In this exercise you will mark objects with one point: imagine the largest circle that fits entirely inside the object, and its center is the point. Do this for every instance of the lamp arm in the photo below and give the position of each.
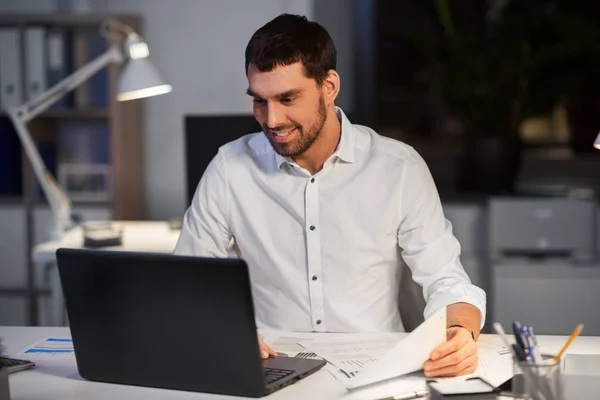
(41, 103)
(57, 198)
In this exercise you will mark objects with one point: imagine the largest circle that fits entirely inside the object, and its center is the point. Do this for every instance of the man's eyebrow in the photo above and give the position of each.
(289, 93)
(251, 93)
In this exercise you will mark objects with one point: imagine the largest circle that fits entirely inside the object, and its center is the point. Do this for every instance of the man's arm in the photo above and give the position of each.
(464, 315)
(205, 230)
(432, 253)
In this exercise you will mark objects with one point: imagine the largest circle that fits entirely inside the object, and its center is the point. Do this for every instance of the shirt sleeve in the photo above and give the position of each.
(428, 245)
(205, 231)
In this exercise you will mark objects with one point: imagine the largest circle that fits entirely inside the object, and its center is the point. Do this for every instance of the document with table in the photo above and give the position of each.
(377, 365)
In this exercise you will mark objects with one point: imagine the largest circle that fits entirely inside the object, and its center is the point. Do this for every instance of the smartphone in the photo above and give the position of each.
(14, 364)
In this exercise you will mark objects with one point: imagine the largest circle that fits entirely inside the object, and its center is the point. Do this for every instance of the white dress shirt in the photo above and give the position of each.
(324, 251)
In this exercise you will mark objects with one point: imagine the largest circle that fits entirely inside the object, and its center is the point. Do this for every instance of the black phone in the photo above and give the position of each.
(14, 364)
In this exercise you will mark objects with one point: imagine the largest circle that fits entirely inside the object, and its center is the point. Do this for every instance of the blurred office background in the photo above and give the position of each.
(502, 99)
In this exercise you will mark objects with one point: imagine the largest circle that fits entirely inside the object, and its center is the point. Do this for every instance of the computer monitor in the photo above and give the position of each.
(204, 134)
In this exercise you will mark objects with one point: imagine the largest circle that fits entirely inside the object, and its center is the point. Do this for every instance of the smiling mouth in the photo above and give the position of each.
(281, 137)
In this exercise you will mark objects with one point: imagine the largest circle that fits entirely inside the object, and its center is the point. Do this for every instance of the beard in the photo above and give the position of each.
(306, 136)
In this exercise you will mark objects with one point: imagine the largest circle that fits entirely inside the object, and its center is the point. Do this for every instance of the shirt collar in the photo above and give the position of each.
(345, 149)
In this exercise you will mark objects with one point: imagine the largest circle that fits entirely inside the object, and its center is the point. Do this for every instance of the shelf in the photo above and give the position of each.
(20, 200)
(72, 113)
(61, 19)
(90, 113)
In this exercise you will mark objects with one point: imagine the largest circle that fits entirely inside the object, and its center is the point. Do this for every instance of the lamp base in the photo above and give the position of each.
(102, 234)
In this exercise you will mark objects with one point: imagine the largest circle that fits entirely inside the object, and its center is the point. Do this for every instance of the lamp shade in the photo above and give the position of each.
(140, 79)
(597, 142)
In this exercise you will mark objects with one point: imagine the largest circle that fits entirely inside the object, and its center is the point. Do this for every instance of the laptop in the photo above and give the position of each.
(169, 321)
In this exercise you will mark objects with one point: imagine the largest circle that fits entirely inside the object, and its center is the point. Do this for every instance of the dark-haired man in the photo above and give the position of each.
(324, 212)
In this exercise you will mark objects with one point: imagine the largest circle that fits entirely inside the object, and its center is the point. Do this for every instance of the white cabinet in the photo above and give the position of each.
(14, 256)
(551, 296)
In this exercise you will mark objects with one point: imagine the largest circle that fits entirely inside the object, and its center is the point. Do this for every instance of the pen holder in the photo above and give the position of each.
(538, 381)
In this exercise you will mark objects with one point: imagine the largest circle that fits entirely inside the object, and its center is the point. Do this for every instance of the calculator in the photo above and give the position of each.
(15, 365)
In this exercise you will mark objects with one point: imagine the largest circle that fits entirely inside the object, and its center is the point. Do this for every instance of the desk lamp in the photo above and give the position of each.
(597, 142)
(138, 79)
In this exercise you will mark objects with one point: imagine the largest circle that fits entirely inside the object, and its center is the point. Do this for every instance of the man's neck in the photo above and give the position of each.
(314, 158)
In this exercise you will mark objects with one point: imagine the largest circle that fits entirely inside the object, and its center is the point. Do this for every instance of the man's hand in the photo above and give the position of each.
(457, 356)
(265, 351)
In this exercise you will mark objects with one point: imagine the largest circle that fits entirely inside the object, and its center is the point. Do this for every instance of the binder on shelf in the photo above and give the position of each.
(98, 83)
(35, 72)
(89, 44)
(11, 93)
(59, 66)
(84, 169)
(84, 142)
(81, 55)
(10, 160)
(47, 150)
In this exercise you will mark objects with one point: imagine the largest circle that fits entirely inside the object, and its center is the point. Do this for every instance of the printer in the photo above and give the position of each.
(540, 225)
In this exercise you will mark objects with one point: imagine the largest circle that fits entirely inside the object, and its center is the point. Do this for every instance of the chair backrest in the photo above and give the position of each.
(411, 302)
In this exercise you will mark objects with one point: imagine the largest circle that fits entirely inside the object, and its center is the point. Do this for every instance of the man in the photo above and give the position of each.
(324, 212)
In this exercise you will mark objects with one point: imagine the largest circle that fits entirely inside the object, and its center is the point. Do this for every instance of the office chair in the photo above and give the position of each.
(411, 302)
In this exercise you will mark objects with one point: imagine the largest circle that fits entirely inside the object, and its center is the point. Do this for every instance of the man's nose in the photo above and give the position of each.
(274, 116)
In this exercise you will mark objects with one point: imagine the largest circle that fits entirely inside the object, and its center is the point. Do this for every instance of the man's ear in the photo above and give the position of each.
(331, 87)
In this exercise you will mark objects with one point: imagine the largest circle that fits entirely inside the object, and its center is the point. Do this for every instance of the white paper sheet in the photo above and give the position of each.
(52, 348)
(370, 360)
(351, 354)
(409, 354)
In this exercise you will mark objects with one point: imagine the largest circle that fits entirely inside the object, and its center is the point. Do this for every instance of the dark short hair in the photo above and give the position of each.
(289, 39)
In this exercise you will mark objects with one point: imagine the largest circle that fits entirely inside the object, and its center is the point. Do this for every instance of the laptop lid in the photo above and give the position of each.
(163, 320)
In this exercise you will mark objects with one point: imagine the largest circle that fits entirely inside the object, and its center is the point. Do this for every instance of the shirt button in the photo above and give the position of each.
(314, 277)
(312, 228)
(318, 322)
(312, 180)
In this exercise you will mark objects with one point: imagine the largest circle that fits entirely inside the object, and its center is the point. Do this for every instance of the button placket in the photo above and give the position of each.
(313, 243)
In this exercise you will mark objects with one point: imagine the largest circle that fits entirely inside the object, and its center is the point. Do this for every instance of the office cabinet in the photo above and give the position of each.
(552, 296)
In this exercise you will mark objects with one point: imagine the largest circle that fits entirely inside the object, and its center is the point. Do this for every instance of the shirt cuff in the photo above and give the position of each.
(462, 293)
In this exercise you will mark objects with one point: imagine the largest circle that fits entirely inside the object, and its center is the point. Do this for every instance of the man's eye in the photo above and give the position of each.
(287, 101)
(259, 101)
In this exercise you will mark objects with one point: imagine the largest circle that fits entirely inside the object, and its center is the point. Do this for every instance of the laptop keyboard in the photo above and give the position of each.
(273, 374)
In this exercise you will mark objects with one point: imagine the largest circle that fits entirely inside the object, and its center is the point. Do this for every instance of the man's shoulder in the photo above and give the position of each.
(367, 139)
(252, 144)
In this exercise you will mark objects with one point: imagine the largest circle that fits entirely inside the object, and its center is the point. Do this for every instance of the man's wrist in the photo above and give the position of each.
(462, 326)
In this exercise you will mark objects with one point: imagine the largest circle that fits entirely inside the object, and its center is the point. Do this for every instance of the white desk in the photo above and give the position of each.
(51, 382)
(146, 236)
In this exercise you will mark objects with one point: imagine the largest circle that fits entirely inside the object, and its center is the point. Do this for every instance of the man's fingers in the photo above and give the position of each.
(269, 350)
(449, 347)
(265, 350)
(452, 358)
(466, 366)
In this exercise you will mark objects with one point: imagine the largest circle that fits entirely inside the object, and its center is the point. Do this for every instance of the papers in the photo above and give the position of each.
(495, 368)
(409, 354)
(353, 353)
(48, 349)
(368, 361)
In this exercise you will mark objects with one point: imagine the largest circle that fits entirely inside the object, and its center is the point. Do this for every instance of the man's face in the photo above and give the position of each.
(289, 106)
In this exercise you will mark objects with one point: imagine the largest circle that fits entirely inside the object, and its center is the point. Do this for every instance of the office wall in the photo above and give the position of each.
(199, 46)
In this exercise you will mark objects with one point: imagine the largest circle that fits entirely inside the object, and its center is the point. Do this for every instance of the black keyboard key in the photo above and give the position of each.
(271, 375)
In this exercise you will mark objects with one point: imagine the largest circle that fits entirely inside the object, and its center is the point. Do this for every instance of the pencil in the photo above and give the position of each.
(562, 351)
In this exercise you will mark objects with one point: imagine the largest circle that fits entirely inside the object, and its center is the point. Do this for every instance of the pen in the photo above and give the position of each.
(408, 396)
(528, 343)
(500, 331)
(516, 327)
(536, 346)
